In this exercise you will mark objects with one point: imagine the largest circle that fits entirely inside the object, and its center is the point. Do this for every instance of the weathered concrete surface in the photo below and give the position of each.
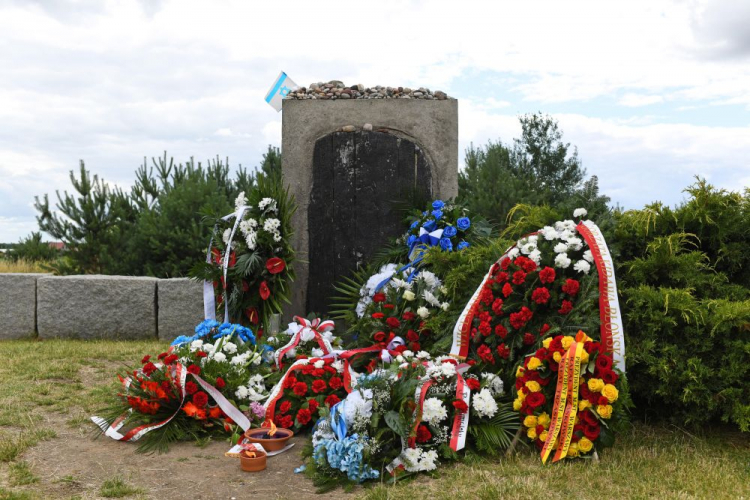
(180, 307)
(18, 305)
(430, 124)
(96, 306)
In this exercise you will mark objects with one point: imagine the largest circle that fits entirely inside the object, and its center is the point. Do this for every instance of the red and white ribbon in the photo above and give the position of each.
(316, 327)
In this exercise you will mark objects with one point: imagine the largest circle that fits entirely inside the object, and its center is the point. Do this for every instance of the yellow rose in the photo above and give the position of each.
(585, 445)
(530, 421)
(534, 363)
(546, 342)
(557, 357)
(543, 420)
(566, 341)
(519, 371)
(409, 295)
(572, 450)
(604, 411)
(583, 404)
(521, 396)
(533, 386)
(543, 437)
(584, 357)
(610, 392)
(596, 385)
(517, 404)
(531, 433)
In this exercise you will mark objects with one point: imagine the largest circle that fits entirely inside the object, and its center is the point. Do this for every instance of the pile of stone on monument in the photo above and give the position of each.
(336, 89)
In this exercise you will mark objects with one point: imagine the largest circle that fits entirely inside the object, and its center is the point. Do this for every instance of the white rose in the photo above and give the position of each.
(409, 295)
(423, 312)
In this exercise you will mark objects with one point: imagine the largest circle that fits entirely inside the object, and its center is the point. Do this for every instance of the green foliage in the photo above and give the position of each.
(33, 249)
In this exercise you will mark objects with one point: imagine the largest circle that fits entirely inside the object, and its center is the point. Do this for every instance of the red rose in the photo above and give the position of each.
(408, 316)
(191, 387)
(300, 389)
(200, 399)
(503, 351)
(319, 386)
(412, 336)
(541, 353)
(378, 315)
(332, 400)
(567, 306)
(285, 406)
(507, 289)
(194, 369)
(461, 406)
(220, 383)
(393, 322)
(592, 346)
(588, 418)
(388, 306)
(609, 377)
(415, 346)
(252, 315)
(304, 416)
(604, 362)
(603, 400)
(501, 331)
(312, 405)
(378, 297)
(379, 336)
(145, 359)
(473, 384)
(201, 354)
(547, 275)
(544, 329)
(540, 295)
(265, 292)
(423, 434)
(275, 265)
(528, 339)
(591, 431)
(335, 383)
(149, 368)
(535, 399)
(571, 287)
(519, 277)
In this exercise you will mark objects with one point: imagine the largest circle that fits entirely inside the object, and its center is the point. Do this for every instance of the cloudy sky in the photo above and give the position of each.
(651, 92)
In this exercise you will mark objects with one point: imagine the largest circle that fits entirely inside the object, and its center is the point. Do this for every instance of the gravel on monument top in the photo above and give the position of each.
(335, 89)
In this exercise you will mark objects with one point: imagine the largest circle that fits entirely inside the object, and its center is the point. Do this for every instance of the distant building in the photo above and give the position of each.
(57, 245)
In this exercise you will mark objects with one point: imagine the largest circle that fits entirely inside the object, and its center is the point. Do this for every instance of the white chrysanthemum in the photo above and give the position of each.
(271, 225)
(562, 260)
(358, 404)
(423, 355)
(484, 404)
(580, 212)
(513, 253)
(256, 359)
(561, 248)
(536, 256)
(219, 356)
(429, 279)
(276, 237)
(569, 225)
(338, 365)
(267, 204)
(307, 335)
(226, 235)
(399, 284)
(195, 345)
(588, 256)
(445, 306)
(527, 248)
(317, 352)
(423, 312)
(229, 348)
(431, 299)
(319, 364)
(241, 392)
(251, 239)
(410, 457)
(549, 233)
(240, 201)
(534, 238)
(407, 354)
(428, 460)
(582, 267)
(209, 348)
(248, 226)
(493, 383)
(575, 243)
(433, 411)
(240, 359)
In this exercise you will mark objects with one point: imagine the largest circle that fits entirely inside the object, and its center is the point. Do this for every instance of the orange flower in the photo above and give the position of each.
(190, 409)
(215, 412)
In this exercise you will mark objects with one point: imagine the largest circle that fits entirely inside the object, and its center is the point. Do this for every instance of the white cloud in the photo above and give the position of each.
(635, 100)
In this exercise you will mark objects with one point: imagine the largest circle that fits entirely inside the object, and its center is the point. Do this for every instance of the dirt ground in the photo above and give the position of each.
(75, 465)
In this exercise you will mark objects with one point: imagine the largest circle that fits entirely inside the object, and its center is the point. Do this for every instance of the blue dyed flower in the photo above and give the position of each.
(463, 244)
(438, 204)
(345, 455)
(411, 240)
(463, 223)
(414, 224)
(430, 225)
(437, 214)
(182, 339)
(449, 231)
(445, 244)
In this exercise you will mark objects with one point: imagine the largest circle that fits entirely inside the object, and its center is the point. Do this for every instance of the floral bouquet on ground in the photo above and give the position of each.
(199, 387)
(250, 263)
(304, 338)
(566, 396)
(445, 225)
(404, 419)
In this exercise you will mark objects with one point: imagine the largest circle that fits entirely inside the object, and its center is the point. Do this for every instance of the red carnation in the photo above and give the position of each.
(423, 434)
(519, 277)
(567, 306)
(408, 316)
(415, 346)
(378, 315)
(461, 406)
(503, 351)
(505, 263)
(191, 387)
(201, 354)
(535, 399)
(544, 329)
(319, 386)
(547, 275)
(286, 422)
(528, 339)
(170, 359)
(501, 277)
(162, 355)
(300, 389)
(379, 336)
(393, 322)
(529, 265)
(149, 368)
(265, 292)
(497, 307)
(412, 336)
(312, 405)
(473, 384)
(275, 265)
(304, 416)
(540, 295)
(485, 354)
(285, 406)
(485, 328)
(220, 383)
(501, 331)
(335, 383)
(571, 287)
(388, 306)
(507, 289)
(194, 369)
(378, 297)
(332, 400)
(145, 359)
(200, 399)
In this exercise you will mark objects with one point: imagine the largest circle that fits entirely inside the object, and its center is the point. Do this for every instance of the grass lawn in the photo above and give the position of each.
(48, 389)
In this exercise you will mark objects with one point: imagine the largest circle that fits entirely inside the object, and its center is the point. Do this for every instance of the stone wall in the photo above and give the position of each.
(93, 306)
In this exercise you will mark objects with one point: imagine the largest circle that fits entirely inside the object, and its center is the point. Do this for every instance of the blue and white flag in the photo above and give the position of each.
(281, 87)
